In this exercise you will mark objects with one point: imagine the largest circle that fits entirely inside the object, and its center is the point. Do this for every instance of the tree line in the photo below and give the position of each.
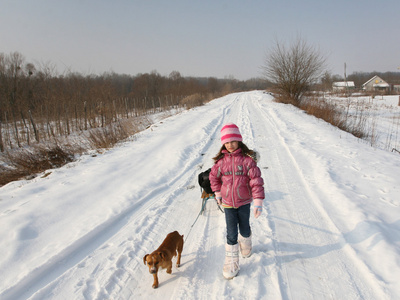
(38, 104)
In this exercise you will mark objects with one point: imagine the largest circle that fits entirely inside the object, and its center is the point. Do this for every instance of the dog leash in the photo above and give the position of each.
(191, 227)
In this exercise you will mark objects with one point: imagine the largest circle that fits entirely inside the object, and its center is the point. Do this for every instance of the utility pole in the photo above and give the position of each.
(345, 80)
(398, 104)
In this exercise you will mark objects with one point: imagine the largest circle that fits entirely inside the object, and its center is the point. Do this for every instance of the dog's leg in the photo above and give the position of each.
(169, 267)
(155, 283)
(178, 261)
(179, 249)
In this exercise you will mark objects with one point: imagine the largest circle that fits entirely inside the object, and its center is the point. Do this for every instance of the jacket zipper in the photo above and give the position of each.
(233, 181)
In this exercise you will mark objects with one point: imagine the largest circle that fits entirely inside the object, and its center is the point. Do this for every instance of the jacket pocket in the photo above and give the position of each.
(243, 191)
(225, 191)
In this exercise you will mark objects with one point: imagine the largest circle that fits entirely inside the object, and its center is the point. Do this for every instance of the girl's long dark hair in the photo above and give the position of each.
(245, 151)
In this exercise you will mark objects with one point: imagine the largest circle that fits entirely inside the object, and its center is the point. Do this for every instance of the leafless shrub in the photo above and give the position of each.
(107, 137)
(356, 125)
(193, 101)
(293, 70)
(322, 110)
(373, 133)
(28, 162)
(8, 174)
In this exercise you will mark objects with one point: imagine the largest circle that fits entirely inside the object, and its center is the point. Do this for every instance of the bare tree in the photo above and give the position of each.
(37, 104)
(293, 70)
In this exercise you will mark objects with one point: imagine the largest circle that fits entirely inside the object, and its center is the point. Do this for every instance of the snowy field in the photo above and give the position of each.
(379, 117)
(330, 228)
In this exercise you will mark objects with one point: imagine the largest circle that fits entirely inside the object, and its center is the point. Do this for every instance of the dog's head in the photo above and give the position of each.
(154, 261)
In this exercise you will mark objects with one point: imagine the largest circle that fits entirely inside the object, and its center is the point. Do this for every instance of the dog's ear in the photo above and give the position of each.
(162, 255)
(144, 258)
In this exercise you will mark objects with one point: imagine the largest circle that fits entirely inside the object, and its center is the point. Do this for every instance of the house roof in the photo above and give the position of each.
(343, 84)
(378, 84)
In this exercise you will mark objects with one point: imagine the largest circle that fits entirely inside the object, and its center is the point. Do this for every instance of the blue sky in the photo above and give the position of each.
(198, 38)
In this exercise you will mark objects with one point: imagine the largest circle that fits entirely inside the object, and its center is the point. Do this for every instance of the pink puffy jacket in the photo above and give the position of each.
(237, 178)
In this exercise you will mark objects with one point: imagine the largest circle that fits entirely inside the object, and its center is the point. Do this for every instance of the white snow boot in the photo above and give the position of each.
(231, 265)
(245, 246)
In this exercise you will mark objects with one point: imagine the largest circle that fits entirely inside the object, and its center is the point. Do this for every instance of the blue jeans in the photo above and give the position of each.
(237, 220)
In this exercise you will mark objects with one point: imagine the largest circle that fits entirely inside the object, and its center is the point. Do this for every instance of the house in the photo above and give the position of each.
(376, 84)
(343, 85)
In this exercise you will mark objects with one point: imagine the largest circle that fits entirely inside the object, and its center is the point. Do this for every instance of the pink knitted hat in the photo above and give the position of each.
(229, 133)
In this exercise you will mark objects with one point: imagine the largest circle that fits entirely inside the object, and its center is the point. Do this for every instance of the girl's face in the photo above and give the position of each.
(231, 146)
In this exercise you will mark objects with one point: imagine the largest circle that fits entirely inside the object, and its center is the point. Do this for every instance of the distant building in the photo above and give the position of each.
(396, 88)
(343, 86)
(376, 84)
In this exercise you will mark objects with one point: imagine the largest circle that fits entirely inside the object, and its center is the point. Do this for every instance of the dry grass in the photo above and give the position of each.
(356, 125)
(193, 101)
(30, 161)
(26, 163)
(107, 137)
(198, 99)
(323, 110)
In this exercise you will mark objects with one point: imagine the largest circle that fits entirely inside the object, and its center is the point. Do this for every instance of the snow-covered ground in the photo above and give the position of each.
(378, 116)
(330, 228)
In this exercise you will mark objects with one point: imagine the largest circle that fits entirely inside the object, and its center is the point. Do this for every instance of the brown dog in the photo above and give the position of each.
(162, 257)
(205, 195)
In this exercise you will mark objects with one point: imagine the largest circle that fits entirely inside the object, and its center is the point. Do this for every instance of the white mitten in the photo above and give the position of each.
(218, 197)
(257, 207)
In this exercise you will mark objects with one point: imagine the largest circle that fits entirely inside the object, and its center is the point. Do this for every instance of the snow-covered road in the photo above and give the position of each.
(330, 228)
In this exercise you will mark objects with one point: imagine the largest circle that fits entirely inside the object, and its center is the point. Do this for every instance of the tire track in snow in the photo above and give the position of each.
(314, 242)
(207, 256)
(298, 252)
(193, 160)
(37, 281)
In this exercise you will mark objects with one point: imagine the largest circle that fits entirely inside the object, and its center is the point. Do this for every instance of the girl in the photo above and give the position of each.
(236, 181)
